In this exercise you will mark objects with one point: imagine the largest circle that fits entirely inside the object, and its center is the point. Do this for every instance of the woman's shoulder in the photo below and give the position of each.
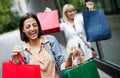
(62, 26)
(62, 23)
(79, 15)
(50, 37)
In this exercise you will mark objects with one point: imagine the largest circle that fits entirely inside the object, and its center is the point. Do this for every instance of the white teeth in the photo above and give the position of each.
(32, 33)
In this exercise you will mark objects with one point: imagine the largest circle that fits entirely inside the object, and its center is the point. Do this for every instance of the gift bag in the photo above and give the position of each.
(96, 25)
(85, 70)
(49, 21)
(12, 70)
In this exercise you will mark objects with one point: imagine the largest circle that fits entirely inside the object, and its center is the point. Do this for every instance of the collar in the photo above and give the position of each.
(42, 39)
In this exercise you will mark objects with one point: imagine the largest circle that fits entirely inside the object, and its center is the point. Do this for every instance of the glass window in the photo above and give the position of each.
(110, 6)
(111, 48)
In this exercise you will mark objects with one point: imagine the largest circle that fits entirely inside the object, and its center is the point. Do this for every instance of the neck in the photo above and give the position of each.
(71, 21)
(34, 42)
(35, 46)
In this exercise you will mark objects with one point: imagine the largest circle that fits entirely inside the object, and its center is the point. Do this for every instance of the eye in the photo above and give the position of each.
(27, 26)
(35, 24)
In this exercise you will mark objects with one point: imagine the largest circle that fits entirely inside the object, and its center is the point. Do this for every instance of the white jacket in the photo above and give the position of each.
(71, 34)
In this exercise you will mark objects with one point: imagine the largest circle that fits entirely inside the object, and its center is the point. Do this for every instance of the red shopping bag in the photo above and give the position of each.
(49, 21)
(12, 70)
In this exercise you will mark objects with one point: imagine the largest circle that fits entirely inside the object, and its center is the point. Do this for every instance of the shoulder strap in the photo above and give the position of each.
(86, 43)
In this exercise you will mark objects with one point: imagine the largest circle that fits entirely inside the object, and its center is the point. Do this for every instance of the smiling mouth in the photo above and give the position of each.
(33, 34)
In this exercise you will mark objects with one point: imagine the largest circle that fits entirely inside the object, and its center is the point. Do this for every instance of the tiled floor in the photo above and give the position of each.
(103, 75)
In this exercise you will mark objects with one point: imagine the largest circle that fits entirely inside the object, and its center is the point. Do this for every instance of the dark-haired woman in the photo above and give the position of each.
(44, 50)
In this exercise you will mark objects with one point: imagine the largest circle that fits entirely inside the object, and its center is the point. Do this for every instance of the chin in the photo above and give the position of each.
(33, 38)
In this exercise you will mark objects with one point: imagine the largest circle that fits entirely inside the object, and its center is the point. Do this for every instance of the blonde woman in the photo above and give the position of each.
(73, 28)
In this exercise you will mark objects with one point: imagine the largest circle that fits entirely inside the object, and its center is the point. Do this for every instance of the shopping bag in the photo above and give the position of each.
(12, 70)
(49, 21)
(85, 70)
(96, 26)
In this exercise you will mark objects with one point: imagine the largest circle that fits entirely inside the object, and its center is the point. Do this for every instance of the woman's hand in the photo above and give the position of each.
(75, 57)
(90, 5)
(74, 52)
(15, 56)
(47, 9)
(68, 62)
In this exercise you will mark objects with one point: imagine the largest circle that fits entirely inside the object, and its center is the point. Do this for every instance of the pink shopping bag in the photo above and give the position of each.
(49, 21)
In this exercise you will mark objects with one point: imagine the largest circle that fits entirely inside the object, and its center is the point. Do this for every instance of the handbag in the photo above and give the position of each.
(96, 26)
(12, 70)
(49, 21)
(82, 71)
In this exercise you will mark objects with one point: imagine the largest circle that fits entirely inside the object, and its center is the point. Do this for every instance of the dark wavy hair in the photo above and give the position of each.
(21, 25)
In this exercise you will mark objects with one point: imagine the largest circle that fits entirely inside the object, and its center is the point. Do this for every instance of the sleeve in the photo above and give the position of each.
(62, 26)
(25, 54)
(59, 57)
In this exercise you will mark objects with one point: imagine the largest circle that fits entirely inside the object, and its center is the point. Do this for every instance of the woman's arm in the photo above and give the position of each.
(62, 26)
(57, 52)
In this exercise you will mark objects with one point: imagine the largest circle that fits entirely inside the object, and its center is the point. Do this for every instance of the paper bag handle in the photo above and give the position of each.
(20, 58)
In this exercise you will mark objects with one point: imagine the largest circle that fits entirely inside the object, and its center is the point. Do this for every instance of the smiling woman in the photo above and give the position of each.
(31, 28)
(27, 22)
(73, 28)
(39, 49)
(44, 50)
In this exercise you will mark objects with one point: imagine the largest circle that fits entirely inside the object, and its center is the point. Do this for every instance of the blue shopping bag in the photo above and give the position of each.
(96, 26)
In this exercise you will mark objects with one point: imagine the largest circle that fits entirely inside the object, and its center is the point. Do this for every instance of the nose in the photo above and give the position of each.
(31, 27)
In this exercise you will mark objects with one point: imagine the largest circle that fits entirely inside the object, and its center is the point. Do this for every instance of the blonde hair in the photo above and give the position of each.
(66, 7)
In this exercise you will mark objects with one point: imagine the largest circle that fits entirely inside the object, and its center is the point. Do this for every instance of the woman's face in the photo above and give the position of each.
(70, 14)
(30, 28)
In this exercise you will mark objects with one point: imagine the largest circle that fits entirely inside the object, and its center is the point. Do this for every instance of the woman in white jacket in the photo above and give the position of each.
(73, 27)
